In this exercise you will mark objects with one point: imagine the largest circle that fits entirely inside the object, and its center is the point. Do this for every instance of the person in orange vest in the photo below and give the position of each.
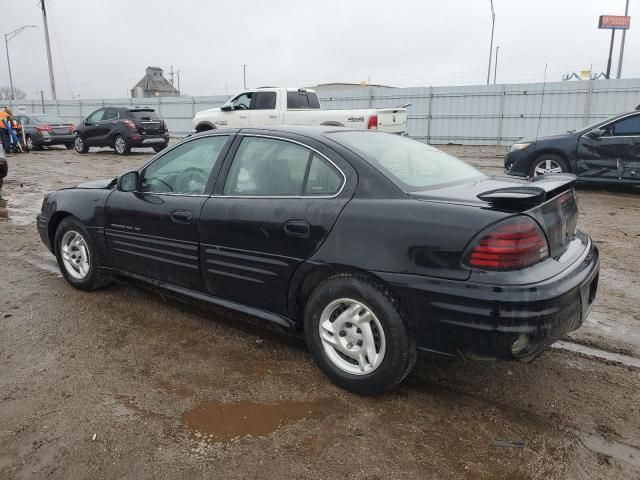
(4, 133)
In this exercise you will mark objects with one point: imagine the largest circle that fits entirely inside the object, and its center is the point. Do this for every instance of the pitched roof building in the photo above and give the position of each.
(153, 84)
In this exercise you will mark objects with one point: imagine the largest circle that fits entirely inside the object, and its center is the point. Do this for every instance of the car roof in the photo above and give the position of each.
(314, 132)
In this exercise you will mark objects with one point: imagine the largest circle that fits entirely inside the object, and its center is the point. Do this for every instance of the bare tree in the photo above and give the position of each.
(5, 93)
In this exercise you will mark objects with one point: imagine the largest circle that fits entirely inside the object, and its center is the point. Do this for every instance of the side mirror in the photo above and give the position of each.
(596, 133)
(128, 182)
(227, 107)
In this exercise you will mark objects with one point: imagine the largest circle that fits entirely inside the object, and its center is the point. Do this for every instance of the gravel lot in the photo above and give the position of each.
(125, 383)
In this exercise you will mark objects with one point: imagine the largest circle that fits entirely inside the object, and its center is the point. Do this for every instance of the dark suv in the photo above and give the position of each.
(122, 128)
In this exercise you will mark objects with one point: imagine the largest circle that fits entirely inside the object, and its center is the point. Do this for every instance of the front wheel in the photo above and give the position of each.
(80, 145)
(77, 258)
(548, 164)
(358, 335)
(121, 146)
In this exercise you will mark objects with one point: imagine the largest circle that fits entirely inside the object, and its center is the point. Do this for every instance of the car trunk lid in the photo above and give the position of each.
(392, 119)
(550, 200)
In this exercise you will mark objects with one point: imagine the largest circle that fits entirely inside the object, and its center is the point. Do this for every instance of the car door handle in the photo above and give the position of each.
(297, 228)
(181, 216)
(243, 116)
(273, 116)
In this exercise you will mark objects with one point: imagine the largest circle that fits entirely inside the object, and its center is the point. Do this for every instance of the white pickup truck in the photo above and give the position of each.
(295, 106)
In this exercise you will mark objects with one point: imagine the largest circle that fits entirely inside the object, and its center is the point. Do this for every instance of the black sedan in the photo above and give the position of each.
(607, 152)
(44, 130)
(374, 246)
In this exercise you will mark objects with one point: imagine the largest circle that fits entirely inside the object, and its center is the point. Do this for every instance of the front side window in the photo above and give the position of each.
(629, 126)
(185, 169)
(272, 167)
(95, 117)
(411, 165)
(242, 102)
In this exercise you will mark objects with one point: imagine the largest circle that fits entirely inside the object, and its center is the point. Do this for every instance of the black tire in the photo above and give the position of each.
(28, 141)
(400, 352)
(121, 145)
(159, 148)
(68, 146)
(80, 144)
(548, 157)
(96, 277)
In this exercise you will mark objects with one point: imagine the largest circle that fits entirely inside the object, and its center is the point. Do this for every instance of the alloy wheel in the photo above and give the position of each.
(352, 336)
(75, 255)
(29, 142)
(547, 166)
(120, 145)
(79, 144)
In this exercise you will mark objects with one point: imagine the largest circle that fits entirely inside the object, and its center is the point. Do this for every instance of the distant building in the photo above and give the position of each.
(153, 84)
(338, 87)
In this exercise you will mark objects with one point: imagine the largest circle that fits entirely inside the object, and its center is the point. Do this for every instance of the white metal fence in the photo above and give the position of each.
(481, 115)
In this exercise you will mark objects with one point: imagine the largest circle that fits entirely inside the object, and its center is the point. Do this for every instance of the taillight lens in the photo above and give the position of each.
(129, 124)
(372, 124)
(72, 128)
(510, 245)
(43, 128)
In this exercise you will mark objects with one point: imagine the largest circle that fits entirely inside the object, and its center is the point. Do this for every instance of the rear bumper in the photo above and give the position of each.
(58, 139)
(149, 140)
(489, 321)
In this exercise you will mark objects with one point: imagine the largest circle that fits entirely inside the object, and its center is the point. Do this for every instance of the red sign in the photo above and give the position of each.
(614, 21)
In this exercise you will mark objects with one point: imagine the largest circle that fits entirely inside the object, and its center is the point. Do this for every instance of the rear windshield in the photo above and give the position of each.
(144, 114)
(48, 118)
(411, 165)
(302, 100)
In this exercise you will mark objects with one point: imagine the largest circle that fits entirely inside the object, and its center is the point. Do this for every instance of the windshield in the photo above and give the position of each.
(411, 165)
(48, 119)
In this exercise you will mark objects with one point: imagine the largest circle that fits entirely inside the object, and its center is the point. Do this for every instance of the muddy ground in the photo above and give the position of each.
(125, 383)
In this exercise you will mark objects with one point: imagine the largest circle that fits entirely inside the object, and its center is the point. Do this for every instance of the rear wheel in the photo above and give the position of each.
(80, 145)
(159, 148)
(547, 164)
(358, 335)
(121, 146)
(77, 258)
(28, 141)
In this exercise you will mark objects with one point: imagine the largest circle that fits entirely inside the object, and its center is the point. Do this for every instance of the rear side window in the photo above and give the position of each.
(264, 101)
(323, 178)
(272, 167)
(302, 100)
(628, 127)
(110, 114)
(144, 114)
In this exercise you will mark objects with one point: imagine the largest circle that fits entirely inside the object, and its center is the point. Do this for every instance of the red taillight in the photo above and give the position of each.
(510, 245)
(72, 128)
(44, 128)
(372, 124)
(129, 124)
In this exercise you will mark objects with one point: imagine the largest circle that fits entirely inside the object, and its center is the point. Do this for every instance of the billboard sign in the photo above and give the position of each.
(614, 22)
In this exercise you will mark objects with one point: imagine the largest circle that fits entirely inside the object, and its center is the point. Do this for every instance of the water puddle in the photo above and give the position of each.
(618, 450)
(596, 352)
(223, 422)
(20, 208)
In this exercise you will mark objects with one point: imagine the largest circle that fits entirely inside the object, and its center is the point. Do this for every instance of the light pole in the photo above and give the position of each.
(624, 34)
(7, 37)
(493, 24)
(244, 76)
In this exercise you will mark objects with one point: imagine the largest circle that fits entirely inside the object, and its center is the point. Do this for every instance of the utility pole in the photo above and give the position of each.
(46, 39)
(42, 99)
(171, 73)
(624, 34)
(495, 65)
(179, 91)
(493, 24)
(244, 76)
(613, 37)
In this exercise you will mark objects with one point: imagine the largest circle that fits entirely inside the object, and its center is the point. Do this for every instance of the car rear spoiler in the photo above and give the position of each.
(539, 190)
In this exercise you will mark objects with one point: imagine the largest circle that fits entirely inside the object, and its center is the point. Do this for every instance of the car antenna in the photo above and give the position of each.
(544, 84)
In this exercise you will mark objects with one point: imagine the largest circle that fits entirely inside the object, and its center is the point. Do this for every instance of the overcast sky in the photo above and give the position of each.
(101, 48)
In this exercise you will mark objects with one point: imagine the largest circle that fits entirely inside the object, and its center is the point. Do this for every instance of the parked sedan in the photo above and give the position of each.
(606, 152)
(374, 246)
(43, 130)
(122, 128)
